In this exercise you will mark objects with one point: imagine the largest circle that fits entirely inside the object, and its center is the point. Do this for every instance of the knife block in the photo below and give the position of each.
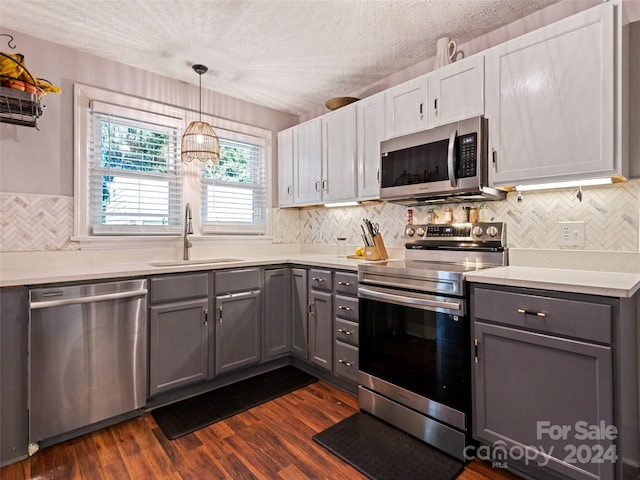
(378, 251)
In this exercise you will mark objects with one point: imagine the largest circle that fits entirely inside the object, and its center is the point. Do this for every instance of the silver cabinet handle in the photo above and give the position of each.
(342, 307)
(344, 362)
(450, 159)
(530, 312)
(346, 284)
(346, 332)
(317, 279)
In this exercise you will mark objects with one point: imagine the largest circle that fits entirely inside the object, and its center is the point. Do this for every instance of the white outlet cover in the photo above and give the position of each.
(571, 233)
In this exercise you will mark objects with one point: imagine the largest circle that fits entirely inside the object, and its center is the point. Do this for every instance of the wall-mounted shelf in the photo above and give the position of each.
(19, 108)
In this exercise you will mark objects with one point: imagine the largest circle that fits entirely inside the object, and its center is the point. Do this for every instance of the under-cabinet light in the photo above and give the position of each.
(341, 204)
(569, 184)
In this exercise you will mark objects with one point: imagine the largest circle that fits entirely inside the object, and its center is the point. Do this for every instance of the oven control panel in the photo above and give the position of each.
(474, 232)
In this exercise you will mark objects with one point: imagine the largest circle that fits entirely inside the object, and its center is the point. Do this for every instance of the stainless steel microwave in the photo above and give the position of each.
(446, 163)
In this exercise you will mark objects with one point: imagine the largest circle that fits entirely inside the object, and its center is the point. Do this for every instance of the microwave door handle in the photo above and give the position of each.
(450, 158)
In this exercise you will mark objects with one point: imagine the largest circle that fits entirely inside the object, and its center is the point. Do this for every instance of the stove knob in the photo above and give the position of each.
(477, 231)
(420, 232)
(492, 231)
(409, 232)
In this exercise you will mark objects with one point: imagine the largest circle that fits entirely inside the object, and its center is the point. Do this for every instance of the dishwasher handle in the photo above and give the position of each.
(88, 299)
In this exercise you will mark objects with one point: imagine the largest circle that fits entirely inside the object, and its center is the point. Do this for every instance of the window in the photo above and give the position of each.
(234, 192)
(135, 177)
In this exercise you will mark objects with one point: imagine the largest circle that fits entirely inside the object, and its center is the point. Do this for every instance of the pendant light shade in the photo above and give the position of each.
(199, 141)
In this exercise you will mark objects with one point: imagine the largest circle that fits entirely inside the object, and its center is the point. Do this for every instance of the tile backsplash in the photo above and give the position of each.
(611, 215)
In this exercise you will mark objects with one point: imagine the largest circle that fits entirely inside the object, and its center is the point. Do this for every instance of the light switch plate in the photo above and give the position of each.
(571, 233)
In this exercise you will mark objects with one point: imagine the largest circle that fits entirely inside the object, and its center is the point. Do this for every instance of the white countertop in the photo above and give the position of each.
(609, 284)
(42, 273)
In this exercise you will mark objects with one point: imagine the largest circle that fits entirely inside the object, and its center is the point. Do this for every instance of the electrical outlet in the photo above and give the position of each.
(571, 233)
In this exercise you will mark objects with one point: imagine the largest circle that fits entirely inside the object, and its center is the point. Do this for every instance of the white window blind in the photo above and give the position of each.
(135, 176)
(234, 192)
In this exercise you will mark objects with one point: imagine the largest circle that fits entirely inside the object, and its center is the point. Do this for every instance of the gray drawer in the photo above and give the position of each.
(345, 361)
(241, 280)
(560, 316)
(178, 287)
(347, 283)
(347, 332)
(346, 307)
(320, 279)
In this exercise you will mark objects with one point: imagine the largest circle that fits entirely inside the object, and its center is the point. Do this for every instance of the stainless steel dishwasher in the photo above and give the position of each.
(87, 356)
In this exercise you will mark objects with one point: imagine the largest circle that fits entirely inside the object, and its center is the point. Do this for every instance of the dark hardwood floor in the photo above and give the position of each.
(271, 441)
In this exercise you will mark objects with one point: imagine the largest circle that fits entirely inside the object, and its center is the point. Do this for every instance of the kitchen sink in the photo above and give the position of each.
(206, 261)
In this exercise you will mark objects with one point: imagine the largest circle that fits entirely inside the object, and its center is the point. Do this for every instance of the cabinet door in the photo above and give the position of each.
(276, 334)
(285, 168)
(405, 108)
(369, 133)
(307, 167)
(14, 421)
(550, 101)
(525, 382)
(236, 331)
(339, 155)
(299, 318)
(320, 329)
(178, 344)
(456, 91)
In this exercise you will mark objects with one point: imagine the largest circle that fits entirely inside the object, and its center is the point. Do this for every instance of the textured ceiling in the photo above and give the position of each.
(290, 55)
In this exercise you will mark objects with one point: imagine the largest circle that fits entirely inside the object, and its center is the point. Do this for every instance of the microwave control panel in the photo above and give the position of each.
(467, 155)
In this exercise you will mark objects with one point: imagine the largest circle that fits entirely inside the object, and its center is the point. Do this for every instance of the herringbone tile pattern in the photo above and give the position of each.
(35, 222)
(611, 215)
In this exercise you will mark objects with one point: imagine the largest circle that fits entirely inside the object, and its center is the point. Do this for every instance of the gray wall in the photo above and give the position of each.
(41, 161)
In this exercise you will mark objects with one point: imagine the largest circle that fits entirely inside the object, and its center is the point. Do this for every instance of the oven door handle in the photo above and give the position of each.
(451, 159)
(397, 299)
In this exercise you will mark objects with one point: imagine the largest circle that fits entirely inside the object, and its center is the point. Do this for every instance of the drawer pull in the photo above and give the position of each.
(346, 332)
(346, 284)
(342, 307)
(317, 279)
(344, 362)
(529, 312)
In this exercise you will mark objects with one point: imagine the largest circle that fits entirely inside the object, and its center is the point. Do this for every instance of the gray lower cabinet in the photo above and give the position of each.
(237, 319)
(14, 421)
(285, 313)
(346, 326)
(276, 331)
(178, 331)
(321, 337)
(299, 318)
(537, 390)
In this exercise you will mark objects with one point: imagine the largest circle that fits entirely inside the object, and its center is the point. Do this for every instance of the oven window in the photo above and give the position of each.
(422, 351)
(421, 164)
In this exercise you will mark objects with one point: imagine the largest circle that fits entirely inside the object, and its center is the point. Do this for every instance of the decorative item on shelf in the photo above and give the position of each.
(20, 91)
(339, 102)
(445, 52)
(199, 141)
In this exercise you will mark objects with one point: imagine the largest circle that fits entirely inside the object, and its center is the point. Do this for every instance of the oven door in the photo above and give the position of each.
(418, 343)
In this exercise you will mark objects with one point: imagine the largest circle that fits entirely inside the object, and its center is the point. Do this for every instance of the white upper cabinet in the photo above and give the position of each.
(307, 165)
(285, 167)
(405, 108)
(370, 130)
(456, 91)
(550, 102)
(339, 155)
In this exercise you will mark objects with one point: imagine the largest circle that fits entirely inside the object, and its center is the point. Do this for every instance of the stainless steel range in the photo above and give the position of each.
(415, 350)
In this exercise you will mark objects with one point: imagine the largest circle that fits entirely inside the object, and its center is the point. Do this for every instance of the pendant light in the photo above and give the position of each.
(199, 141)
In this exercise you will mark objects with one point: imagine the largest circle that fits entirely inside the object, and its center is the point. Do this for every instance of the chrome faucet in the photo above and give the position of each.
(188, 228)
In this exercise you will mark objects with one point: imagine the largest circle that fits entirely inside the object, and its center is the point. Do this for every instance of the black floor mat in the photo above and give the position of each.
(381, 451)
(189, 415)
